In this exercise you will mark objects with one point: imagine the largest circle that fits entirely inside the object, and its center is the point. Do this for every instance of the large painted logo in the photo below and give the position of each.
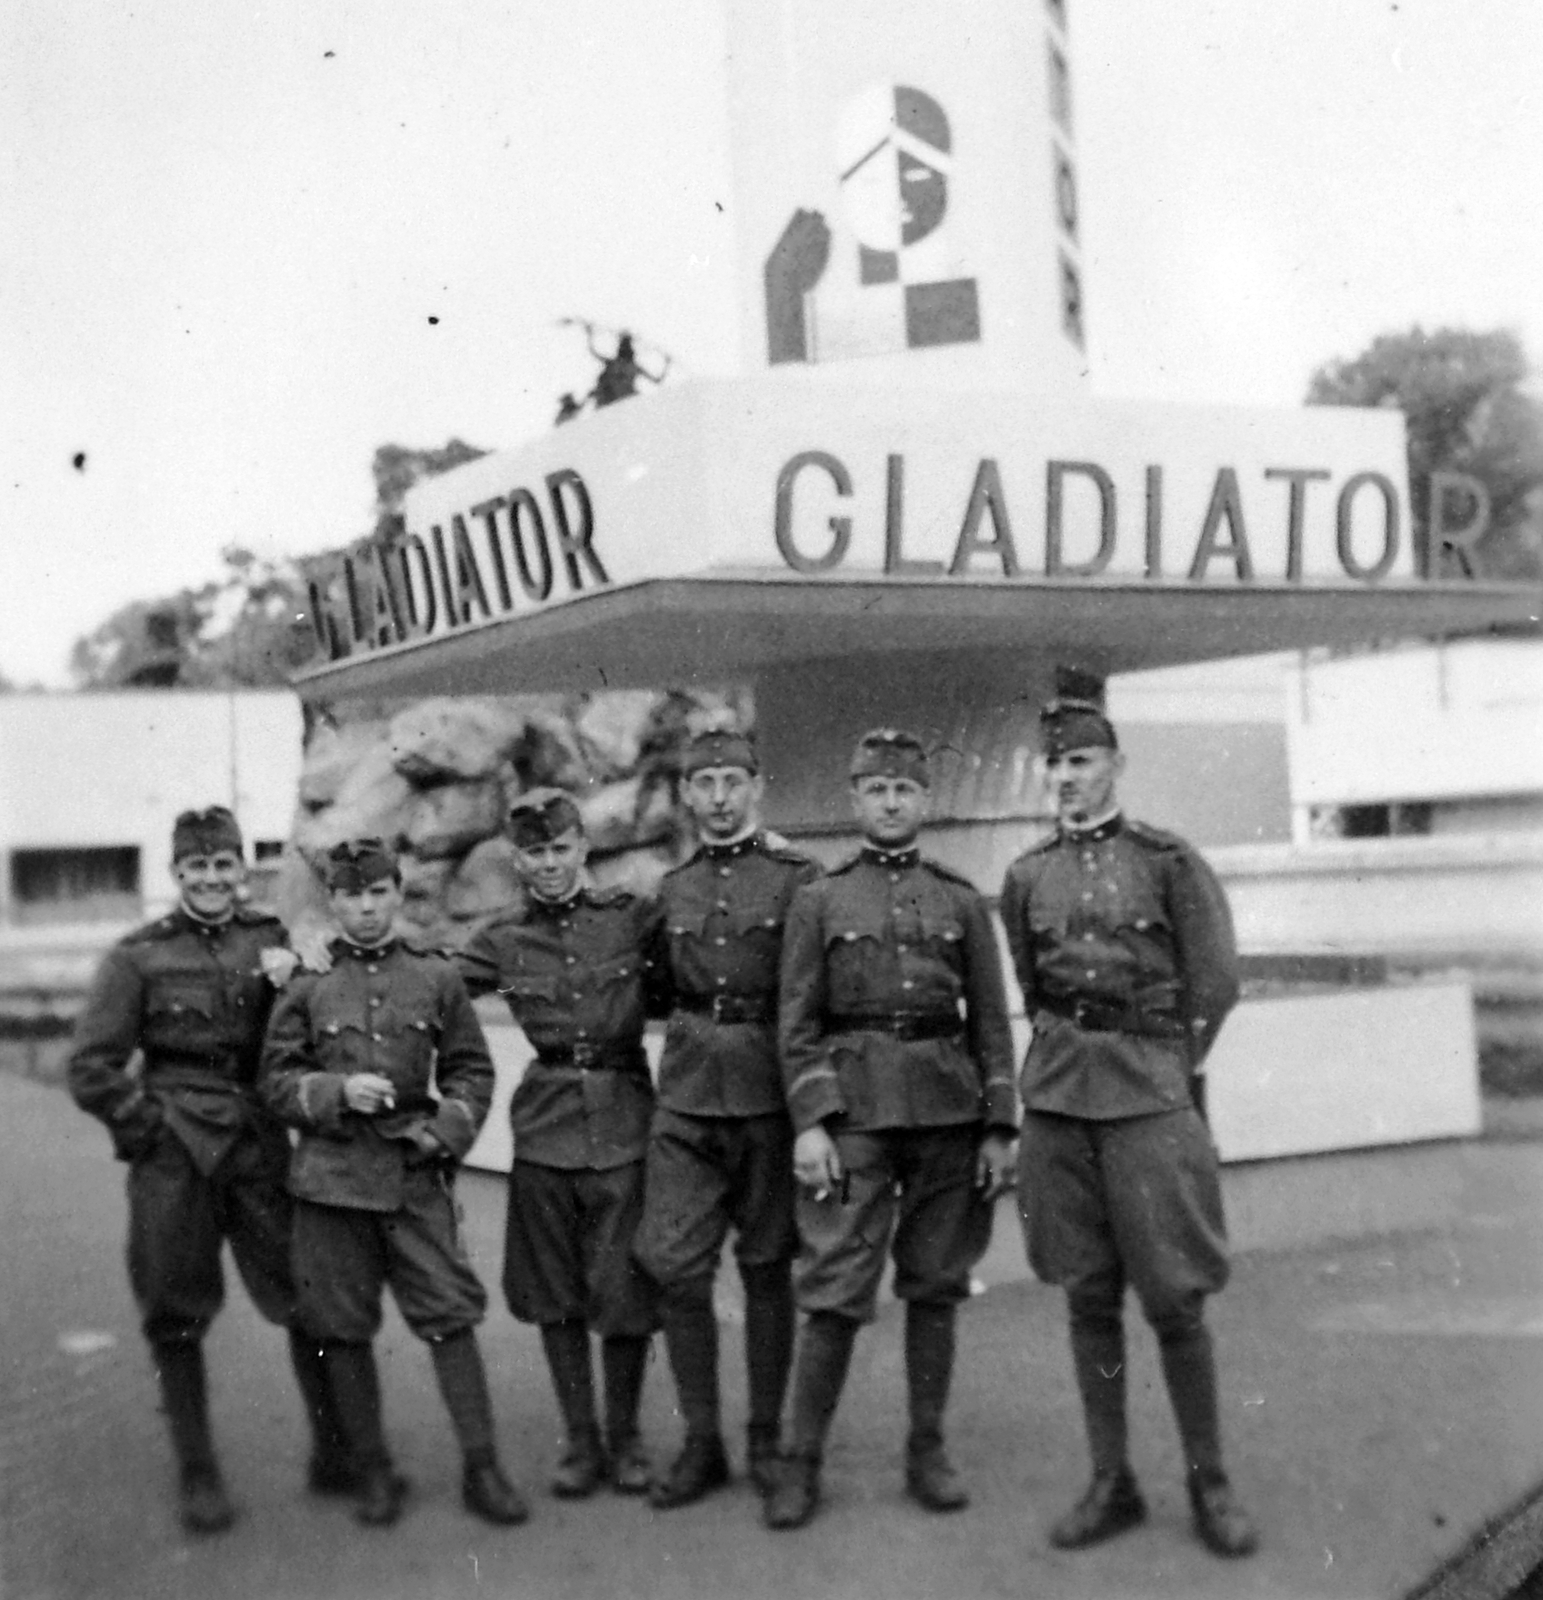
(890, 276)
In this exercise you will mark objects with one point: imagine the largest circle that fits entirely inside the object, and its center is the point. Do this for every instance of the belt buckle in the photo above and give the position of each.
(1080, 1011)
(585, 1054)
(715, 1010)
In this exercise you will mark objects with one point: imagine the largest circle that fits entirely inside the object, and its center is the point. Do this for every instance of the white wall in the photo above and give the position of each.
(1420, 723)
(116, 768)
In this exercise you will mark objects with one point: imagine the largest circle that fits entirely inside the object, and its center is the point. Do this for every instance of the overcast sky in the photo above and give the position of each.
(229, 227)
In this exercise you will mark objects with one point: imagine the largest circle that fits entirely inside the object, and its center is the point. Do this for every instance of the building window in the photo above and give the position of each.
(87, 885)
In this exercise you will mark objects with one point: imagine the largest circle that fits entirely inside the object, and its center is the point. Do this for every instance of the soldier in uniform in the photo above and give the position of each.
(381, 1064)
(192, 991)
(570, 962)
(720, 1154)
(898, 1062)
(1122, 942)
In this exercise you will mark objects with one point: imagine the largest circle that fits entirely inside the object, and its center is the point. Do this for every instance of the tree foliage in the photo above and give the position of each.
(1462, 400)
(249, 628)
(246, 629)
(397, 467)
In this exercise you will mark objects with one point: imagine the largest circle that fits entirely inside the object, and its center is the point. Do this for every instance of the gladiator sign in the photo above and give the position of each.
(510, 551)
(893, 278)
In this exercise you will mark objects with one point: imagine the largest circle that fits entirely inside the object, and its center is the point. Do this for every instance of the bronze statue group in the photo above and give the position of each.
(836, 1087)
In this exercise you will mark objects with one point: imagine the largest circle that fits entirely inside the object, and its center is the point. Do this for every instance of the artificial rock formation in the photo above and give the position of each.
(435, 777)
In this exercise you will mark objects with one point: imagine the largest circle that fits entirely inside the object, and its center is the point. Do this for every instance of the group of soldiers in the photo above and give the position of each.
(836, 1087)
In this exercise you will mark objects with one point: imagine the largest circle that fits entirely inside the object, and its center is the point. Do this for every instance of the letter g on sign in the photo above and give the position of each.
(840, 527)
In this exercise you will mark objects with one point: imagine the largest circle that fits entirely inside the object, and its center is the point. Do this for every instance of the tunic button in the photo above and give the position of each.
(723, 983)
(905, 983)
(723, 872)
(720, 940)
(1092, 973)
(723, 905)
(571, 960)
(372, 969)
(376, 1037)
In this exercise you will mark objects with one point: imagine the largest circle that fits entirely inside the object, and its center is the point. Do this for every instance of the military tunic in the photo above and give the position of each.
(206, 1161)
(721, 1149)
(578, 980)
(894, 1035)
(1122, 942)
(375, 1203)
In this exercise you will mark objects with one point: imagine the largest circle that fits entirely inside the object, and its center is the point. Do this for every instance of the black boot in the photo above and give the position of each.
(582, 1468)
(331, 1470)
(769, 1324)
(355, 1385)
(623, 1362)
(930, 1478)
(1110, 1504)
(463, 1383)
(691, 1341)
(819, 1374)
(203, 1505)
(1189, 1370)
(1098, 1356)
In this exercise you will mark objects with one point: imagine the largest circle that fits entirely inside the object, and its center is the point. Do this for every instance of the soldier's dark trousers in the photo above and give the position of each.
(355, 1383)
(1189, 1371)
(622, 1361)
(463, 1384)
(769, 1322)
(1098, 1355)
(819, 1375)
(309, 1360)
(691, 1341)
(184, 1385)
(929, 1369)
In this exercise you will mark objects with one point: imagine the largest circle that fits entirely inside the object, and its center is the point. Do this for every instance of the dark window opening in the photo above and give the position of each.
(85, 885)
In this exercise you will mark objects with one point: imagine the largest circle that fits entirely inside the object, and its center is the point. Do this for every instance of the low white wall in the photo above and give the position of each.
(1474, 895)
(1292, 1076)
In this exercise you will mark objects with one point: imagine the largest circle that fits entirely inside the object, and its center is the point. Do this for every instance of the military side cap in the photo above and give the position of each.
(357, 863)
(1068, 724)
(540, 815)
(205, 833)
(721, 747)
(891, 753)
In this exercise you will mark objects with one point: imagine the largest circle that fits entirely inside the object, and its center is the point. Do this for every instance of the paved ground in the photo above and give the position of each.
(1383, 1399)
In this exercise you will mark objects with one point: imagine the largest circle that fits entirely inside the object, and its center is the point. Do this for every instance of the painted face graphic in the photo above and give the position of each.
(892, 146)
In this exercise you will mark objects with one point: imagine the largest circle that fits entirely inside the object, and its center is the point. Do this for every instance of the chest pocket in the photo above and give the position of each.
(190, 999)
(852, 930)
(761, 916)
(687, 924)
(607, 974)
(529, 987)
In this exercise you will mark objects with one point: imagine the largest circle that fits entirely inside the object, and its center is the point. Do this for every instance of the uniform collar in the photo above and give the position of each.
(359, 952)
(200, 924)
(1104, 827)
(893, 860)
(556, 908)
(728, 849)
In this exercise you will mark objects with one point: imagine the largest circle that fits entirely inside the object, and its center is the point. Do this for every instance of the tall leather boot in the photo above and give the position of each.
(331, 1470)
(203, 1504)
(819, 1375)
(930, 1478)
(691, 1341)
(1189, 1370)
(623, 1361)
(1112, 1501)
(463, 1384)
(355, 1384)
(583, 1465)
(769, 1323)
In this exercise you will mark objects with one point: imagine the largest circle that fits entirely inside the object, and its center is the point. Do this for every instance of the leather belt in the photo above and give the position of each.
(731, 1007)
(899, 1024)
(593, 1057)
(1107, 1016)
